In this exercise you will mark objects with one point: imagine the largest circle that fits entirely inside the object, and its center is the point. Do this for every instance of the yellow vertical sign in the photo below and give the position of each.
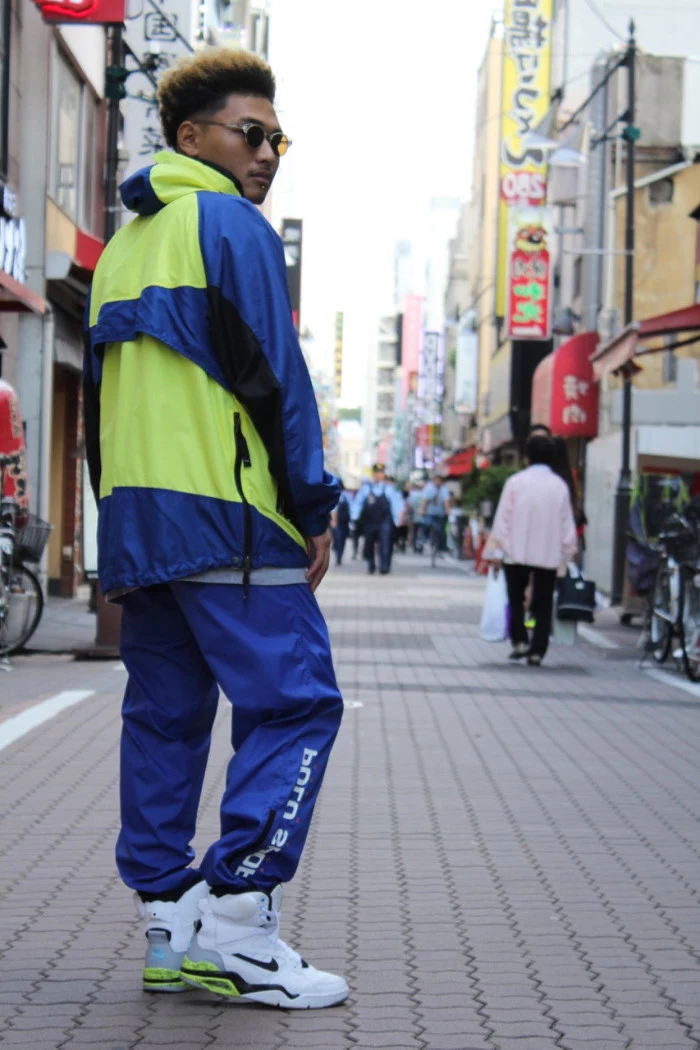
(338, 354)
(527, 60)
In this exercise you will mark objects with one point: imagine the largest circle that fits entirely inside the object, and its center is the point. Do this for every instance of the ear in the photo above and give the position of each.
(188, 139)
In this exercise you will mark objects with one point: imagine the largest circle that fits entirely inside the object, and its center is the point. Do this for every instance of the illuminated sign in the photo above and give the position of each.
(527, 46)
(529, 299)
(84, 11)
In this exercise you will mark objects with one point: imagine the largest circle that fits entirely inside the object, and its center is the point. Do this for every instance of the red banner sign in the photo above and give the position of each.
(524, 187)
(564, 391)
(83, 11)
(529, 298)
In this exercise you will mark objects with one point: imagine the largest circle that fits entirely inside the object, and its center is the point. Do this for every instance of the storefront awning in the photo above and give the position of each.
(17, 298)
(564, 391)
(617, 354)
(460, 463)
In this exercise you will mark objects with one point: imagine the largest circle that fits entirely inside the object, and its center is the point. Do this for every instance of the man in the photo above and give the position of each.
(340, 524)
(205, 451)
(377, 507)
(415, 500)
(534, 530)
(435, 508)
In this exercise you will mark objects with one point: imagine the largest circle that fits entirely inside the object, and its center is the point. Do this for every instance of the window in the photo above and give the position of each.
(385, 402)
(669, 366)
(578, 276)
(74, 132)
(386, 377)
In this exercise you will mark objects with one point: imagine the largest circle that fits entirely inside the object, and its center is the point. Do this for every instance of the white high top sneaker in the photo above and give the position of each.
(169, 930)
(237, 952)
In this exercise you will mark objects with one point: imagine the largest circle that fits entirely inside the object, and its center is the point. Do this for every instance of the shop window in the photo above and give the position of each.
(73, 135)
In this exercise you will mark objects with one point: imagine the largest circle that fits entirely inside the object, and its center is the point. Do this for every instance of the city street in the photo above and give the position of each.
(502, 857)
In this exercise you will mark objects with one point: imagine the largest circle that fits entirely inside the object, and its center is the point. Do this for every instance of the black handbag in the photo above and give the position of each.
(576, 598)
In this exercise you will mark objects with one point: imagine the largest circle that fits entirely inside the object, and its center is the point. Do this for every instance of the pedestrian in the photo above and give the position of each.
(415, 500)
(205, 450)
(435, 508)
(377, 508)
(340, 523)
(533, 533)
(404, 522)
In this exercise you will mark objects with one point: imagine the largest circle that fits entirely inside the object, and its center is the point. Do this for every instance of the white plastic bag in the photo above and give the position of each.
(493, 614)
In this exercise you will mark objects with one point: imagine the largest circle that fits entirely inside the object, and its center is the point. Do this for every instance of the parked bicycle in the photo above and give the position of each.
(673, 607)
(22, 540)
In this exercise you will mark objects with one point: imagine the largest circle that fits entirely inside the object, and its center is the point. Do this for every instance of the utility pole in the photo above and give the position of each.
(109, 615)
(624, 485)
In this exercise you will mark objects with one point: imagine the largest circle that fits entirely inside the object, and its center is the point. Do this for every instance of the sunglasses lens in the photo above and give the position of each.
(254, 136)
(279, 143)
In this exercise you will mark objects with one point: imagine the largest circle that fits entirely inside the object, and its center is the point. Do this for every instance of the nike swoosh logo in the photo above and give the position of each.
(272, 965)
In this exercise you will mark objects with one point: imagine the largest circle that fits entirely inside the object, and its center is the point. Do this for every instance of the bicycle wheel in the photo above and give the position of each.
(660, 628)
(690, 624)
(25, 604)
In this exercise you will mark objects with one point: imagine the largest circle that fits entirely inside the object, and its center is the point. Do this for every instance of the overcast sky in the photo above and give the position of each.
(380, 105)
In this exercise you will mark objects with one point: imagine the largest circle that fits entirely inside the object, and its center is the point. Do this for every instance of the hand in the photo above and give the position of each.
(319, 550)
(496, 562)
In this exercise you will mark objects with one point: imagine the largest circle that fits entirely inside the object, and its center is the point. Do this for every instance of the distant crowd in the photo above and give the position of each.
(385, 518)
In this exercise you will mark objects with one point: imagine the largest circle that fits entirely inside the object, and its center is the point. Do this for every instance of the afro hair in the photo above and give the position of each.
(200, 84)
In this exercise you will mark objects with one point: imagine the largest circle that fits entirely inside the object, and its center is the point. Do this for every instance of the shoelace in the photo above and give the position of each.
(278, 946)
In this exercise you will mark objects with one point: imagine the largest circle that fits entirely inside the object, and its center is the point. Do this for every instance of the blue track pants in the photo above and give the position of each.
(271, 657)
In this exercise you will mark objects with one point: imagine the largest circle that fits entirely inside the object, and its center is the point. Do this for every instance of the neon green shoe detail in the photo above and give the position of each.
(207, 975)
(159, 979)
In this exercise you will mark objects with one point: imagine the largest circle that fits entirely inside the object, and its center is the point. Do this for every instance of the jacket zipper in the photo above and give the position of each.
(243, 460)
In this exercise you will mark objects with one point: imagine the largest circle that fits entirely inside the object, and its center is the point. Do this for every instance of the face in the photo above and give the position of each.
(254, 168)
(379, 475)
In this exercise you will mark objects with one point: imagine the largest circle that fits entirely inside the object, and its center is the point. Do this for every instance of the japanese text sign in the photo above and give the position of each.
(84, 11)
(529, 273)
(526, 74)
(564, 391)
(153, 33)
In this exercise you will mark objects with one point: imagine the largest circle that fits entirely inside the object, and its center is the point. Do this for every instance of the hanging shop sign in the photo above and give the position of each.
(13, 236)
(565, 394)
(162, 34)
(86, 12)
(527, 45)
(529, 273)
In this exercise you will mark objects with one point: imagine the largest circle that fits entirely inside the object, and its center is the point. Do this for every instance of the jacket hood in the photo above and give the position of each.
(173, 176)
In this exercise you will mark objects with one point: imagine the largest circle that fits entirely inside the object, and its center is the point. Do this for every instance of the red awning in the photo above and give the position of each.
(460, 463)
(616, 355)
(564, 391)
(17, 298)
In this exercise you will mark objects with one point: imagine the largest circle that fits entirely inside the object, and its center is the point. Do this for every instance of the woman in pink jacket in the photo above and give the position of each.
(533, 533)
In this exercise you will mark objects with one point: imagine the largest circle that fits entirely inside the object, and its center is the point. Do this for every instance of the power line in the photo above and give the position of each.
(592, 7)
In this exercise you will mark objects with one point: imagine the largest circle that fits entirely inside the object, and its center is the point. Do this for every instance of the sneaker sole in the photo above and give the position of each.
(207, 976)
(157, 979)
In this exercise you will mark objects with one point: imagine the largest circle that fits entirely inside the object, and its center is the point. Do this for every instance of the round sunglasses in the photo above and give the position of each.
(255, 135)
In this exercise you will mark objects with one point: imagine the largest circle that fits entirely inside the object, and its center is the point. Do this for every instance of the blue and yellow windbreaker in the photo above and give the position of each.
(203, 438)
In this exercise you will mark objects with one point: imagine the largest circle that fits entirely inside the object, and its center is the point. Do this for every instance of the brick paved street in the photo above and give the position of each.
(503, 858)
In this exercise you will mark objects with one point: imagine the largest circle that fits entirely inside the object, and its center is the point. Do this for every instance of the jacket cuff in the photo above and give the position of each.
(314, 524)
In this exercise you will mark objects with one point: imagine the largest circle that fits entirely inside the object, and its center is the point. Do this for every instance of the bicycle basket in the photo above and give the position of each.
(31, 539)
(642, 560)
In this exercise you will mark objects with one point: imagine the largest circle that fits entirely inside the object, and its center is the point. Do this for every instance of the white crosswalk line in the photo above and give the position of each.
(14, 728)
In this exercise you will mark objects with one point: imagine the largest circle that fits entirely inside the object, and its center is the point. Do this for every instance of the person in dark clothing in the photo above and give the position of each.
(340, 524)
(377, 506)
